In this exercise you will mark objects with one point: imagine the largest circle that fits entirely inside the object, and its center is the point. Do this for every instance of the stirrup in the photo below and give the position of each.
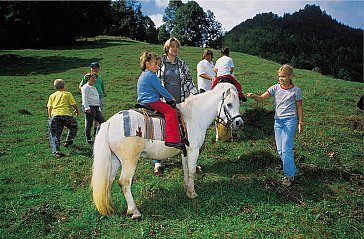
(180, 145)
(186, 142)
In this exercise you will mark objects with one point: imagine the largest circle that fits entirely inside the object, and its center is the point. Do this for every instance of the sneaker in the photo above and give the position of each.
(198, 169)
(59, 154)
(287, 181)
(243, 98)
(158, 172)
(180, 146)
(68, 143)
(89, 141)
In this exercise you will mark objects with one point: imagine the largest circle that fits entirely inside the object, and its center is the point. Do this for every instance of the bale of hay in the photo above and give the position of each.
(224, 132)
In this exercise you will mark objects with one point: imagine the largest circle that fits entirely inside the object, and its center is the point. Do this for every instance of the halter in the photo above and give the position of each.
(228, 116)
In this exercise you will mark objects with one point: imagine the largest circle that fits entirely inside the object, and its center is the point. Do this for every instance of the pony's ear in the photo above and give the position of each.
(227, 92)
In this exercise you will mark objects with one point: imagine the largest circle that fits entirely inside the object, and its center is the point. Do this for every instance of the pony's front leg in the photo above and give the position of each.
(185, 172)
(126, 177)
(192, 157)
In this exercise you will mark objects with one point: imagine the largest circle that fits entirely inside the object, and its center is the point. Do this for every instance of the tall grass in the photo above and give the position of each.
(240, 195)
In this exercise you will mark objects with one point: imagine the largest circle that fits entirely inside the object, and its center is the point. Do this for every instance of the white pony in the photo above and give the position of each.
(112, 148)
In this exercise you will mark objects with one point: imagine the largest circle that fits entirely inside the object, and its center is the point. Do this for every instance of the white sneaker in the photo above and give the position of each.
(287, 181)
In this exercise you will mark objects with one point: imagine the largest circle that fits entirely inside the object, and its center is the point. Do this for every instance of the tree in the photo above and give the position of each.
(170, 15)
(130, 22)
(125, 18)
(151, 33)
(189, 24)
(35, 24)
(213, 33)
(163, 34)
(194, 27)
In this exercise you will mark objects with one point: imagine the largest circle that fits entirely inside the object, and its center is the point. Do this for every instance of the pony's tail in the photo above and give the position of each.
(101, 182)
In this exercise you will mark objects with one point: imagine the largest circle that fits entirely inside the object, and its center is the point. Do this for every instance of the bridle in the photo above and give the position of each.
(229, 118)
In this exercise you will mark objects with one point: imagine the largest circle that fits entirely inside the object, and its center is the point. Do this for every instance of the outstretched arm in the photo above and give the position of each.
(300, 115)
(261, 97)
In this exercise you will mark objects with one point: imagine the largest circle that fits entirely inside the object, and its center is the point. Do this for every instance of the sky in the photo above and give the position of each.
(232, 12)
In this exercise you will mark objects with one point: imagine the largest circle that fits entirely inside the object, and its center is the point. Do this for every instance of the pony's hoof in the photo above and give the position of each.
(134, 215)
(191, 194)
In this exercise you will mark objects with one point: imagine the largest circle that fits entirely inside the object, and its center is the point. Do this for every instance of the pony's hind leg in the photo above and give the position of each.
(126, 177)
(115, 162)
(129, 153)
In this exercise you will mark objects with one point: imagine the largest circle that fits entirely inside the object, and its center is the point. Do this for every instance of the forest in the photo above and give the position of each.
(44, 23)
(308, 39)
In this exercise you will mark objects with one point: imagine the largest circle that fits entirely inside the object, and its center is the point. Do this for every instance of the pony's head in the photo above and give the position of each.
(228, 110)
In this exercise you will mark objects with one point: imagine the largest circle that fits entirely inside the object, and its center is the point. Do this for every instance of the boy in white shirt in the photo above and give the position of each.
(224, 65)
(91, 105)
(224, 69)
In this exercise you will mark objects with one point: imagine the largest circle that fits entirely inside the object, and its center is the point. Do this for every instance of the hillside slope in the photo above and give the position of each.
(240, 194)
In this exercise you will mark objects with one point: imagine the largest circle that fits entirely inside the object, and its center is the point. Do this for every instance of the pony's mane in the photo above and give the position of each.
(193, 102)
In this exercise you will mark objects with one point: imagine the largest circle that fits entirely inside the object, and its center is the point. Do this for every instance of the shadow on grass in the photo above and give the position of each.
(81, 149)
(96, 44)
(258, 124)
(15, 65)
(247, 186)
(246, 164)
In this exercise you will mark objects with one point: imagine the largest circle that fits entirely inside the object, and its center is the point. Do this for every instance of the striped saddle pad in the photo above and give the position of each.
(143, 123)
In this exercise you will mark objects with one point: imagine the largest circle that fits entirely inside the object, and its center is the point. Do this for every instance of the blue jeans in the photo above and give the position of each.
(101, 99)
(55, 128)
(284, 131)
(95, 114)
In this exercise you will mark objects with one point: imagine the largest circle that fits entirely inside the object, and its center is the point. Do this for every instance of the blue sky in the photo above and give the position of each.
(232, 12)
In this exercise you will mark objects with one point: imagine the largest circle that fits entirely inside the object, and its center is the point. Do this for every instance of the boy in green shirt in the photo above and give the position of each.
(99, 85)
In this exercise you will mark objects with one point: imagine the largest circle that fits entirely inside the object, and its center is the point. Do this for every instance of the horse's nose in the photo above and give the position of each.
(239, 123)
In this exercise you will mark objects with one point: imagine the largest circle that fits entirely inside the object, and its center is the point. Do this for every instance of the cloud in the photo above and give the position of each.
(157, 19)
(162, 3)
(157, 3)
(232, 12)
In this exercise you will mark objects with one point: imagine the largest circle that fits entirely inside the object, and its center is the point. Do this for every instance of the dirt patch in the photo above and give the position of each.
(355, 122)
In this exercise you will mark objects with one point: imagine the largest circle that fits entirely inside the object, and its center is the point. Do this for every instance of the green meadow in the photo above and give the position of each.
(240, 191)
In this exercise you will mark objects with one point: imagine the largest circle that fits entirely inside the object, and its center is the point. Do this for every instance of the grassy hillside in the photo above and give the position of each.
(240, 195)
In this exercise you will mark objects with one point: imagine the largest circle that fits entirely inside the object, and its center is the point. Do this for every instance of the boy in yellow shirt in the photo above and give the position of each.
(60, 116)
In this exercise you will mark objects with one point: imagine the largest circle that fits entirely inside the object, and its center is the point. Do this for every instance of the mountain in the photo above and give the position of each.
(308, 39)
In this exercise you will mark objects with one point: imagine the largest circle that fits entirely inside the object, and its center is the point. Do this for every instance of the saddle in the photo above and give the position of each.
(232, 80)
(148, 112)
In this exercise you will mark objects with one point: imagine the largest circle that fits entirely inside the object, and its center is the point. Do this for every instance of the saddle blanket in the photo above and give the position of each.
(143, 125)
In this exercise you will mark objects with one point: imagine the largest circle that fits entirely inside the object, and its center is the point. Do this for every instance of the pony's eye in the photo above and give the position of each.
(229, 105)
